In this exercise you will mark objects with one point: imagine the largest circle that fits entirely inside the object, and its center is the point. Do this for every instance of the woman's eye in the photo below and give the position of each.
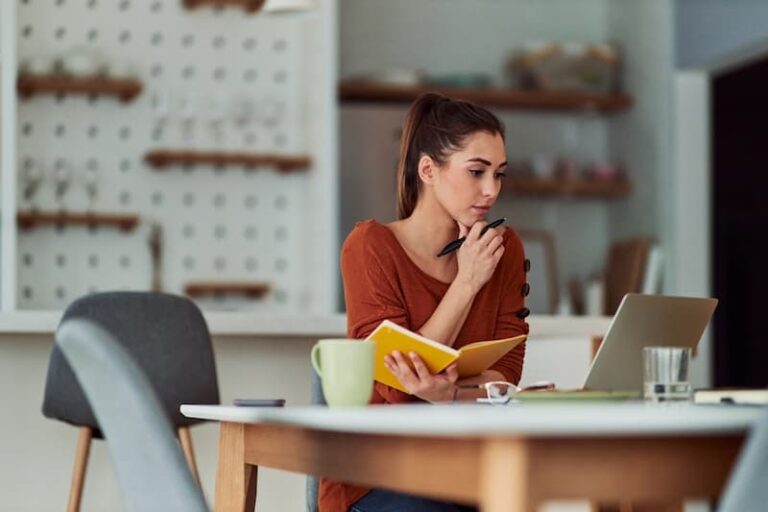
(475, 172)
(501, 175)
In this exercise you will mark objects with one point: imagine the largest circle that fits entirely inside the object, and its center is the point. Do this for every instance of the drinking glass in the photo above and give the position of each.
(666, 374)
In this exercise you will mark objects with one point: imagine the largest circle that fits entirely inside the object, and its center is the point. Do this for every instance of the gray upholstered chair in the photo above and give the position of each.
(151, 471)
(317, 398)
(747, 488)
(169, 340)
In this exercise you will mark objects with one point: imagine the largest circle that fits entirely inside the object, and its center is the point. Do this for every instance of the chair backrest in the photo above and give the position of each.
(317, 398)
(151, 470)
(167, 337)
(747, 487)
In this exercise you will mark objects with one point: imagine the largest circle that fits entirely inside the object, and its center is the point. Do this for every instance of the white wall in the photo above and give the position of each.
(708, 29)
(641, 137)
(689, 267)
(445, 36)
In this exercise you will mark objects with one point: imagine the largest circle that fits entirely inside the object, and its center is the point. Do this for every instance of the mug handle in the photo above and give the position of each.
(315, 358)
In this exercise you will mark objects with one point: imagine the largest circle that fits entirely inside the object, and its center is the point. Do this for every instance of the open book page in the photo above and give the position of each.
(479, 356)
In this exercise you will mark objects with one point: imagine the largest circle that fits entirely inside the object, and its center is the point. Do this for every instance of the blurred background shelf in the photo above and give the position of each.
(163, 158)
(364, 91)
(253, 290)
(559, 188)
(32, 219)
(125, 89)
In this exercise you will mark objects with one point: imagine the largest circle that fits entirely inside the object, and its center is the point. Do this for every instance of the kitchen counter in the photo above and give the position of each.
(224, 324)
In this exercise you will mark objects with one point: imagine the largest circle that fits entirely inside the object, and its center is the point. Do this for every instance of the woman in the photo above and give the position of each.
(452, 162)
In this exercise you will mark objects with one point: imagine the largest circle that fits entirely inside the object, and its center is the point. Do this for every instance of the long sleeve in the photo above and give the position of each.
(372, 295)
(508, 323)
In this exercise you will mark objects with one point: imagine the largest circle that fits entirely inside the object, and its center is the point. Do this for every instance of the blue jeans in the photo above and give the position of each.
(379, 500)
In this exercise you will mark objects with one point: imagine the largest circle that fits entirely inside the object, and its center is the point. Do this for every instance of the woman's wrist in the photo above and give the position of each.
(447, 396)
(464, 287)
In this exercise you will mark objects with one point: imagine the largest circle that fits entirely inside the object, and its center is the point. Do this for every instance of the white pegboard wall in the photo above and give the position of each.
(213, 79)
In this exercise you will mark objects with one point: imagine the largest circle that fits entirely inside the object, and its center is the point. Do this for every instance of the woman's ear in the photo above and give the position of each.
(427, 169)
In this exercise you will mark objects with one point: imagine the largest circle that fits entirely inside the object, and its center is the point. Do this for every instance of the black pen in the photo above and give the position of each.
(457, 243)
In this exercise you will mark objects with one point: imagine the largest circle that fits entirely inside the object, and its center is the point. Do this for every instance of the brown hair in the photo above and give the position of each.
(435, 126)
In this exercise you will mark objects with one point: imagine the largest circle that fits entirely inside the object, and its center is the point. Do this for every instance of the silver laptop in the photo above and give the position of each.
(645, 321)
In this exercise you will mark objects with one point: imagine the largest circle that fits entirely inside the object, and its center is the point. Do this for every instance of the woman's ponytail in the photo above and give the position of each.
(407, 167)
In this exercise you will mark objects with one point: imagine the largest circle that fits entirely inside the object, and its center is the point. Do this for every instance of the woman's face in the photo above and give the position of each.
(469, 183)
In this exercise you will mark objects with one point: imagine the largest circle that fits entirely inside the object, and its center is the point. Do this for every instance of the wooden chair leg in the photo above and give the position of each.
(186, 445)
(78, 472)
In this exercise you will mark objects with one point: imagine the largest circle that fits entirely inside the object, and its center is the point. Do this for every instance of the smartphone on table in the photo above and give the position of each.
(259, 402)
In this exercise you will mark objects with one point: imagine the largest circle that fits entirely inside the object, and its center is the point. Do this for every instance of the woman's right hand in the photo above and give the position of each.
(419, 381)
(478, 256)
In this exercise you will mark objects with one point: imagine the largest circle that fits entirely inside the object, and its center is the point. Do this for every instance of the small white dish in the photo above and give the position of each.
(80, 62)
(38, 65)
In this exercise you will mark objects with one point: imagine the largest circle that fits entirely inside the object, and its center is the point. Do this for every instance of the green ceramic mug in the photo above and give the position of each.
(345, 368)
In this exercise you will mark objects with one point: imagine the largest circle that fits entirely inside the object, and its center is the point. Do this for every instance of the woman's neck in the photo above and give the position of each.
(429, 229)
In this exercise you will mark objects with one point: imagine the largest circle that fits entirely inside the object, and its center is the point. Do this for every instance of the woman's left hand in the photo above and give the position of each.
(420, 381)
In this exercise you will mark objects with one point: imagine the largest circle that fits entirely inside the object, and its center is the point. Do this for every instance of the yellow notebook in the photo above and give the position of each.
(472, 358)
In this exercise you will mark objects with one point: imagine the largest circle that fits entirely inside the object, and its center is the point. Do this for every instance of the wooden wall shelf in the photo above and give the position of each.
(163, 158)
(253, 290)
(362, 91)
(555, 188)
(32, 219)
(125, 89)
(249, 5)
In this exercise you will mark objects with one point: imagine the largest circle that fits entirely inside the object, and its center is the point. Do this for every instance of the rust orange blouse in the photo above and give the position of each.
(382, 283)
